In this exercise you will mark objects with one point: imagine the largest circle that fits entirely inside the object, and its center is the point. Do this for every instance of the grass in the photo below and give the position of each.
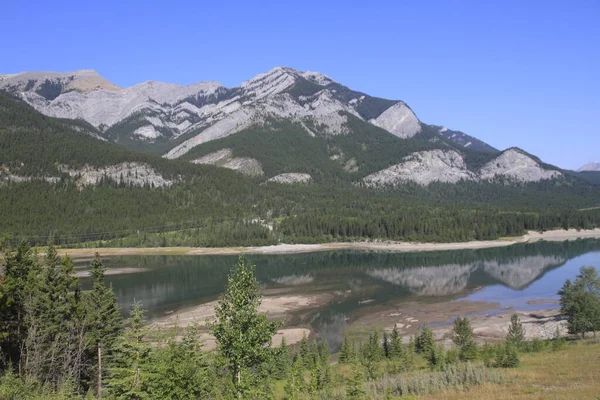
(571, 373)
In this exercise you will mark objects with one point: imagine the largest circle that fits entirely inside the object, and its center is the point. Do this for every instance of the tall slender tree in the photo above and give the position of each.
(243, 334)
(103, 320)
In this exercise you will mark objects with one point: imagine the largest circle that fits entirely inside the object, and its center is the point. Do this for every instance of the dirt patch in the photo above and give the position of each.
(275, 306)
(113, 271)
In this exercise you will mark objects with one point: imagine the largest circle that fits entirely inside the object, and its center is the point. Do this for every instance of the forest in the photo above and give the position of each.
(210, 206)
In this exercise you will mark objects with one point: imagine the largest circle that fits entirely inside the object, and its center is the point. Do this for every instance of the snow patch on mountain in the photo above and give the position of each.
(292, 177)
(399, 120)
(423, 168)
(515, 165)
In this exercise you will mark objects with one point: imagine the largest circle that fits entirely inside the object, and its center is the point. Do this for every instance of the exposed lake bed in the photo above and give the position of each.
(331, 293)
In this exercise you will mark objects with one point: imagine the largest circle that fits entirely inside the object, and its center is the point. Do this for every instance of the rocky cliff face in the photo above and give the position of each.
(448, 166)
(152, 110)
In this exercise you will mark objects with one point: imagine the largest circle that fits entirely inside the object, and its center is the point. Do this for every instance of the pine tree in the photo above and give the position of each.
(282, 360)
(304, 353)
(242, 334)
(295, 383)
(386, 346)
(397, 349)
(21, 275)
(424, 342)
(462, 336)
(355, 388)
(436, 358)
(55, 335)
(129, 370)
(103, 320)
(347, 352)
(516, 332)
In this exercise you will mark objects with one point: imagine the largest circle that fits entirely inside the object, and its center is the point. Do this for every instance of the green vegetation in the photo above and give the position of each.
(210, 206)
(57, 342)
(580, 302)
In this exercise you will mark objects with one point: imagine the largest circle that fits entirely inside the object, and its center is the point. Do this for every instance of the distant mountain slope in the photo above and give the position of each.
(465, 140)
(591, 166)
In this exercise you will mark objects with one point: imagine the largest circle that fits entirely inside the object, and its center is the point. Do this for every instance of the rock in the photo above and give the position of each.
(290, 178)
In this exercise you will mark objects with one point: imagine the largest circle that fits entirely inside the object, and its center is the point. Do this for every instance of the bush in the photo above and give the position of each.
(507, 356)
(461, 375)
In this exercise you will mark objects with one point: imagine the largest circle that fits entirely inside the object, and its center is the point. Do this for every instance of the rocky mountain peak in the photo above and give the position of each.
(591, 166)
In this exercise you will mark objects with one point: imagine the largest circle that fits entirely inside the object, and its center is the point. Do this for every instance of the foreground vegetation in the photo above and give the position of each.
(57, 342)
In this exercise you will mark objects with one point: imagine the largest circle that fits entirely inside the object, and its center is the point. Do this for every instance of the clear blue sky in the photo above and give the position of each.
(514, 73)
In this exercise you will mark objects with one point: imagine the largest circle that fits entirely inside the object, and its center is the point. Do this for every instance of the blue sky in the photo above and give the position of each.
(513, 73)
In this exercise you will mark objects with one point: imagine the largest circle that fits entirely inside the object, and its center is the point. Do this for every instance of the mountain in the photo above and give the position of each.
(283, 121)
(465, 140)
(62, 180)
(591, 166)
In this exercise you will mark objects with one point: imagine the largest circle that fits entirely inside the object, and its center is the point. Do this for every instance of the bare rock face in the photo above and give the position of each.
(224, 158)
(152, 110)
(399, 120)
(290, 178)
(517, 166)
(591, 166)
(130, 173)
(423, 168)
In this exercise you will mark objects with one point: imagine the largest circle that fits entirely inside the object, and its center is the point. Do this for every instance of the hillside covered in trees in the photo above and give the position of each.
(58, 182)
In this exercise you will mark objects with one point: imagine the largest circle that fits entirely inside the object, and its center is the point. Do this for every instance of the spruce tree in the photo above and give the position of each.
(295, 383)
(282, 360)
(355, 388)
(347, 352)
(516, 332)
(424, 342)
(243, 335)
(103, 320)
(462, 336)
(130, 365)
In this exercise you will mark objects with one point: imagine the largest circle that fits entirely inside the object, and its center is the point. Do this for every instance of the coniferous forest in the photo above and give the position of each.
(210, 206)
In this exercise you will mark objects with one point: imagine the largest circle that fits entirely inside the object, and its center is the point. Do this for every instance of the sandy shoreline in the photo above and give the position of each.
(388, 246)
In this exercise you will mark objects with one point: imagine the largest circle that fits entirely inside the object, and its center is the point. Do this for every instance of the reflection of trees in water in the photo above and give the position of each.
(427, 281)
(172, 281)
(331, 329)
(452, 278)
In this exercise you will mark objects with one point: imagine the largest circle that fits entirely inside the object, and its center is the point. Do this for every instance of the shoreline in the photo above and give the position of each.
(557, 235)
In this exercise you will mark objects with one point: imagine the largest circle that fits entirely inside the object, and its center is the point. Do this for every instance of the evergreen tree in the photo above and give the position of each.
(355, 388)
(103, 320)
(507, 356)
(282, 360)
(295, 383)
(424, 342)
(21, 275)
(397, 348)
(55, 338)
(436, 358)
(129, 370)
(386, 346)
(243, 335)
(347, 352)
(179, 369)
(516, 332)
(462, 336)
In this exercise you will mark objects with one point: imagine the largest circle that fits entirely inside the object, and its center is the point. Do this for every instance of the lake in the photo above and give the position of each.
(523, 276)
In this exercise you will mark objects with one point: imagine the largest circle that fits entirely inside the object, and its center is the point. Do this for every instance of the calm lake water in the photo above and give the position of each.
(512, 276)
